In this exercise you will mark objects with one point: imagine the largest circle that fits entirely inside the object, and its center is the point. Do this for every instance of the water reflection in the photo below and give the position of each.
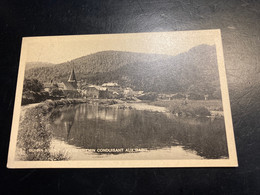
(96, 127)
(64, 119)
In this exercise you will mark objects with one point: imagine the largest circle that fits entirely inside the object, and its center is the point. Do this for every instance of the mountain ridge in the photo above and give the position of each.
(194, 70)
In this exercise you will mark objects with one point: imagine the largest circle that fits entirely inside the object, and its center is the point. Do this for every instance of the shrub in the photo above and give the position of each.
(30, 97)
(32, 85)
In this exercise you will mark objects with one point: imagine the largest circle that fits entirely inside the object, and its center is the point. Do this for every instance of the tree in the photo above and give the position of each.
(32, 85)
(56, 93)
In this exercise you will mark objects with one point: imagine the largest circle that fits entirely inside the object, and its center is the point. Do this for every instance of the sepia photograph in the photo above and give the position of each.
(156, 99)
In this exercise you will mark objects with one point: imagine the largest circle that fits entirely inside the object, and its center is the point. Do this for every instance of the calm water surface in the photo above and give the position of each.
(90, 130)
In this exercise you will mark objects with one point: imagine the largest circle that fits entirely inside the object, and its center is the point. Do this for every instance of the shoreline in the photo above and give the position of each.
(51, 104)
(140, 106)
(192, 111)
(48, 105)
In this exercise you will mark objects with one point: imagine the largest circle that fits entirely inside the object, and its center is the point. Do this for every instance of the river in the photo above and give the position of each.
(92, 131)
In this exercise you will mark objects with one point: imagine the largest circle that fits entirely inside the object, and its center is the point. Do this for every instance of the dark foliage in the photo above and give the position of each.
(33, 92)
(32, 85)
(56, 93)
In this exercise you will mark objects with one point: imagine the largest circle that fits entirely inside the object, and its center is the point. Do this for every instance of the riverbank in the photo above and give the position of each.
(122, 104)
(190, 108)
(48, 105)
(35, 133)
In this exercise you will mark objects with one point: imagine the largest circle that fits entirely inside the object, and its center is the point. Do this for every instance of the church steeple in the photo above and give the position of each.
(72, 77)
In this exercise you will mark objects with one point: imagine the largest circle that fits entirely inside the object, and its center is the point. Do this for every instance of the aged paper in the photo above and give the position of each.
(122, 100)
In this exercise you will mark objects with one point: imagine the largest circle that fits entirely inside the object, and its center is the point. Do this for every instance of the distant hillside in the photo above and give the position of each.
(30, 65)
(192, 71)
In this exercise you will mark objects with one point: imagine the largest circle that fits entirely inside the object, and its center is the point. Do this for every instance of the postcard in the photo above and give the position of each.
(157, 99)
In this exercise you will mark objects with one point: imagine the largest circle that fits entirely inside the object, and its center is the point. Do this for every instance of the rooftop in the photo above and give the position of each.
(72, 77)
(69, 85)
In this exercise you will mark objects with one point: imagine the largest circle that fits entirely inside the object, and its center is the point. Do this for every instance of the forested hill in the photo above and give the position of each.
(194, 71)
(30, 65)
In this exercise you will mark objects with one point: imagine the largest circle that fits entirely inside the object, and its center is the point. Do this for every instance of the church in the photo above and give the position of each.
(69, 88)
(74, 89)
(71, 84)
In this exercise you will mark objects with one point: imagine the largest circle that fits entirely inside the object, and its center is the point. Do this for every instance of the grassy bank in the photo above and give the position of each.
(190, 107)
(35, 133)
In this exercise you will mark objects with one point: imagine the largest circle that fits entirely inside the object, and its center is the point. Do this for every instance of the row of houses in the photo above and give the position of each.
(107, 90)
(72, 88)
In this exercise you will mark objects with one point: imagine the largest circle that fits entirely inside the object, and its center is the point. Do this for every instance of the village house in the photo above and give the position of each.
(50, 86)
(94, 91)
(129, 92)
(112, 87)
(91, 91)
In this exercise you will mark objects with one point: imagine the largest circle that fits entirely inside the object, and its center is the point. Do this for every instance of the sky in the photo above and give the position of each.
(58, 49)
